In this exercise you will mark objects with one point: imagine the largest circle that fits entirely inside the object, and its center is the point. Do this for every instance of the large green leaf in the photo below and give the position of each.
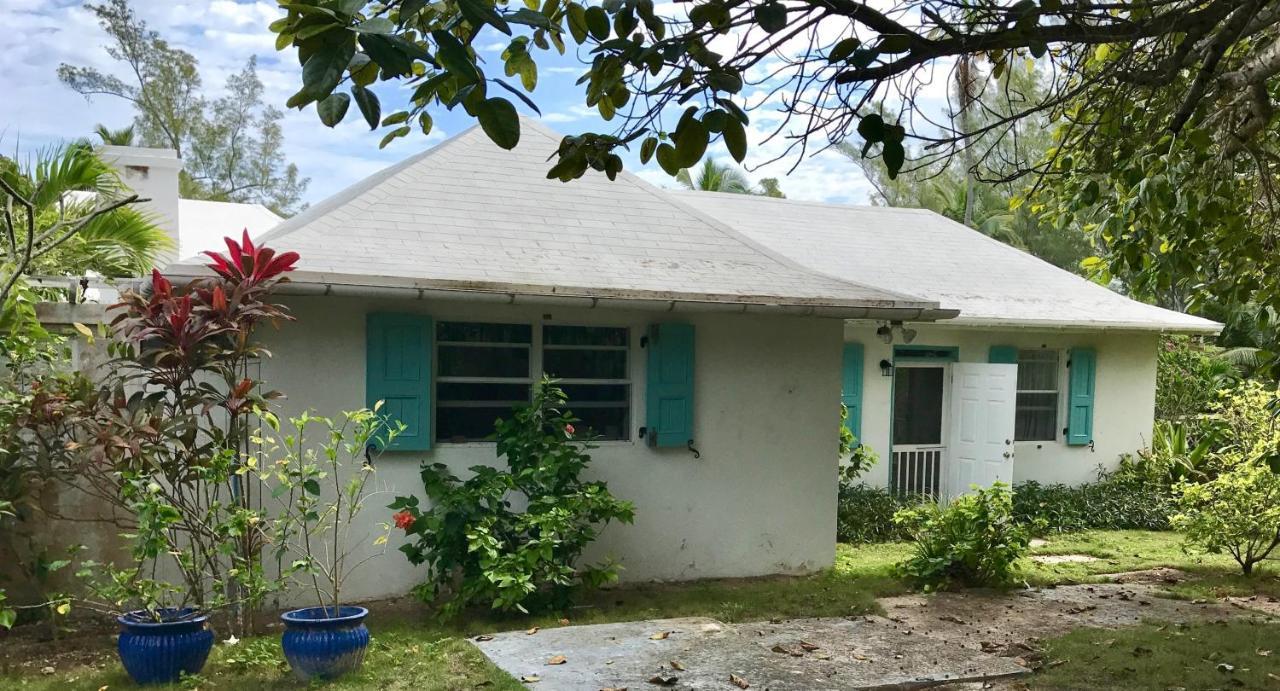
(735, 139)
(479, 13)
(499, 120)
(369, 106)
(333, 108)
(323, 70)
(453, 55)
(394, 62)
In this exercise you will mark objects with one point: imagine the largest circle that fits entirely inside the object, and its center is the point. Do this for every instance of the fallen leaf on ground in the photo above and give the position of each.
(738, 681)
(808, 647)
(531, 679)
(484, 637)
(677, 666)
(1226, 668)
(614, 688)
(783, 650)
(532, 631)
(558, 660)
(953, 619)
(1264, 653)
(660, 636)
(660, 680)
(564, 622)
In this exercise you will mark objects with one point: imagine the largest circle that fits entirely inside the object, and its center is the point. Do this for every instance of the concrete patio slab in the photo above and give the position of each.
(700, 653)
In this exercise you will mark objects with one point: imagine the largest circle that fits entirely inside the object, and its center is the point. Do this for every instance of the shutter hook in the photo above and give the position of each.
(696, 455)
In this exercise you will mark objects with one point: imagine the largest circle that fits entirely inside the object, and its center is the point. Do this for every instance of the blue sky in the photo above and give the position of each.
(223, 34)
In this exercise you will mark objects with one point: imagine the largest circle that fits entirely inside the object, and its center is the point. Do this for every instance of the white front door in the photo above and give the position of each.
(983, 408)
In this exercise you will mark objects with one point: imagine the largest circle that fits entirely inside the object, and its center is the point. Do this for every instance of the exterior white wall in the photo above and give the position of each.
(1124, 400)
(760, 500)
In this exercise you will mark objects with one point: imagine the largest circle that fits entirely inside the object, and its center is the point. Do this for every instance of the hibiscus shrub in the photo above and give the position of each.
(479, 550)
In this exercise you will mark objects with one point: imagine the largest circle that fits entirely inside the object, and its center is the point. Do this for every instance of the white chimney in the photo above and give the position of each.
(152, 174)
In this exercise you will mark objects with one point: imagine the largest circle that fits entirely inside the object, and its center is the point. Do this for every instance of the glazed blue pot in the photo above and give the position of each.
(323, 644)
(159, 652)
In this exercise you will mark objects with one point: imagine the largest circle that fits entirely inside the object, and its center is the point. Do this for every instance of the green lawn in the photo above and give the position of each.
(411, 652)
(1236, 654)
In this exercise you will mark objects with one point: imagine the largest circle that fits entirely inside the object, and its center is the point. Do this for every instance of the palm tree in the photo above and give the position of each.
(715, 178)
(121, 137)
(67, 213)
(725, 178)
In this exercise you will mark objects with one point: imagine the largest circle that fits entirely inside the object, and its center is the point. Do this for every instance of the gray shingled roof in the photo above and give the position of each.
(468, 216)
(924, 253)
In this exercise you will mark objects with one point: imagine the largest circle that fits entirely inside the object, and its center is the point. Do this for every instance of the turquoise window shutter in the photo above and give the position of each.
(398, 373)
(669, 385)
(851, 387)
(1003, 355)
(1080, 394)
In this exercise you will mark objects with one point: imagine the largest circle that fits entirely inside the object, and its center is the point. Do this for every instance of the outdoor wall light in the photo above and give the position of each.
(886, 368)
(908, 335)
(884, 333)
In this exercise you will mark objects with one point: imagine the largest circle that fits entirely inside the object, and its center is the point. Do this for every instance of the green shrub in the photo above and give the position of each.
(971, 541)
(864, 514)
(1237, 512)
(1123, 500)
(479, 550)
(1188, 377)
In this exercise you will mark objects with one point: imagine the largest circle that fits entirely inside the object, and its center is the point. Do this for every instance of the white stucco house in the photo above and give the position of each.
(706, 339)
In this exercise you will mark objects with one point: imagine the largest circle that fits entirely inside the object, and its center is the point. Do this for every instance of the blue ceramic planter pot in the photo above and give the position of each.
(323, 644)
(159, 652)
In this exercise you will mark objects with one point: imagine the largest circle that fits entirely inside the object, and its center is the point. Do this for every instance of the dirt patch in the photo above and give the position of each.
(1160, 576)
(1013, 623)
(1257, 603)
(1063, 558)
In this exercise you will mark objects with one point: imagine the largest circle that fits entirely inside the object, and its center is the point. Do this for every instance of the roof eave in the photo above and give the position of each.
(351, 285)
(1207, 328)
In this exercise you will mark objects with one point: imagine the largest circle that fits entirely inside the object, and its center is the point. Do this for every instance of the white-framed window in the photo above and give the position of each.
(1038, 394)
(484, 371)
(593, 367)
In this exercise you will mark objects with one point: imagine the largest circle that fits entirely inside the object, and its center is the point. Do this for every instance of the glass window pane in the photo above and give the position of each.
(507, 394)
(1037, 418)
(584, 335)
(471, 361)
(917, 405)
(468, 423)
(1038, 370)
(603, 423)
(597, 393)
(585, 364)
(475, 332)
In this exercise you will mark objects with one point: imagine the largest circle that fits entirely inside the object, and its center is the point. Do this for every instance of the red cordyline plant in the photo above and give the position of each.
(168, 432)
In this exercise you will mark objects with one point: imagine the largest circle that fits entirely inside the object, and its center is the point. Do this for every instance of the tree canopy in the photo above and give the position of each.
(672, 84)
(232, 146)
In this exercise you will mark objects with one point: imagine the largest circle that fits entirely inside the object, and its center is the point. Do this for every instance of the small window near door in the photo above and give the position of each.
(484, 372)
(591, 364)
(917, 406)
(1037, 418)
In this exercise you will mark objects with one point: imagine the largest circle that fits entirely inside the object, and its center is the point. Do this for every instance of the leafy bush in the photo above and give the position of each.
(972, 541)
(864, 514)
(1188, 377)
(1237, 512)
(1123, 500)
(1234, 505)
(478, 549)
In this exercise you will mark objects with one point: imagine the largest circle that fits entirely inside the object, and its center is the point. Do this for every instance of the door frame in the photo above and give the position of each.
(925, 356)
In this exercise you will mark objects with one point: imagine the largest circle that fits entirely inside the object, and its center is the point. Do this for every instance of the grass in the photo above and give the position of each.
(411, 651)
(1234, 654)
